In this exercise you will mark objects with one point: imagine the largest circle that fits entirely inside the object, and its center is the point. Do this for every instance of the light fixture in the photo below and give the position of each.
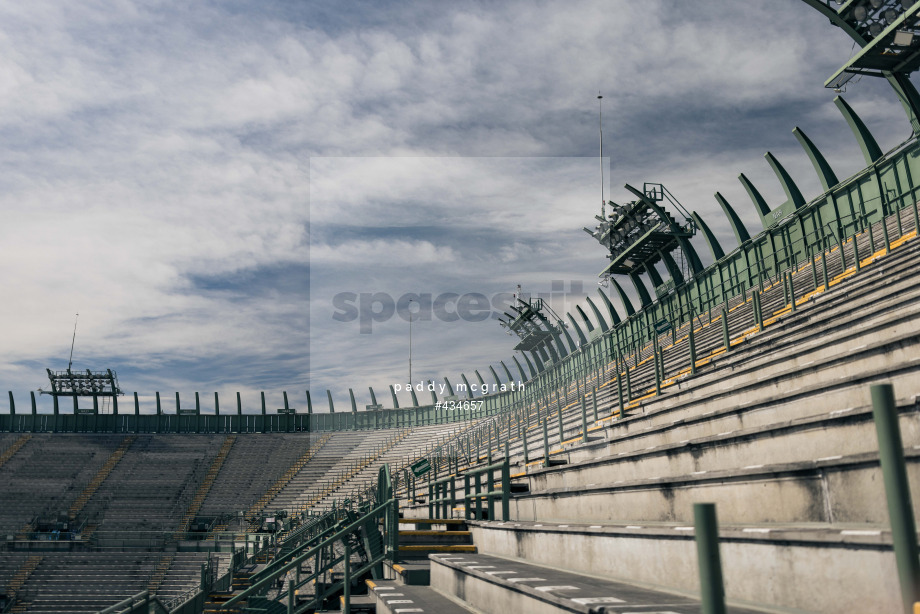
(876, 3)
(875, 28)
(890, 16)
(903, 38)
(859, 13)
(907, 3)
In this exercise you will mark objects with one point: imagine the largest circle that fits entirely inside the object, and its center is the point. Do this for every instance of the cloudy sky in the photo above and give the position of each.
(235, 195)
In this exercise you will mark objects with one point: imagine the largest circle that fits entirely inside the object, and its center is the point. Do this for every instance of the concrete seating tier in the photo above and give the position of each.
(185, 573)
(399, 456)
(331, 463)
(253, 465)
(83, 582)
(152, 486)
(47, 474)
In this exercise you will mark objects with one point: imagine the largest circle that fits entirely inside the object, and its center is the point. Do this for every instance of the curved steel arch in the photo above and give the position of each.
(521, 369)
(597, 314)
(581, 335)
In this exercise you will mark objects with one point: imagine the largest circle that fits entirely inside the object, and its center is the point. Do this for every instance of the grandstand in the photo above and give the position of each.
(730, 441)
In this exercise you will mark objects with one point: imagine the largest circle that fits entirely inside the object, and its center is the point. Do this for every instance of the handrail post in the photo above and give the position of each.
(725, 340)
(466, 497)
(490, 501)
(506, 489)
(885, 231)
(691, 343)
(584, 420)
(524, 441)
(897, 491)
(394, 531)
(856, 249)
(476, 495)
(712, 592)
(346, 594)
(824, 277)
(559, 418)
(594, 401)
(545, 444)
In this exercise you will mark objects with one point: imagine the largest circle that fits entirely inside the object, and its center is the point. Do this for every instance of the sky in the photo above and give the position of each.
(244, 196)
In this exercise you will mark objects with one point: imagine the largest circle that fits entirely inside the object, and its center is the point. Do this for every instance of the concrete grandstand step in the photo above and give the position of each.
(777, 567)
(392, 598)
(688, 447)
(494, 584)
(840, 489)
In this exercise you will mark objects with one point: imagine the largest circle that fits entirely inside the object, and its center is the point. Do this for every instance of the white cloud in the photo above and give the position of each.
(161, 164)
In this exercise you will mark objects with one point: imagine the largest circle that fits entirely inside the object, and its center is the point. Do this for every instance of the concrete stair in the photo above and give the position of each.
(205, 486)
(493, 584)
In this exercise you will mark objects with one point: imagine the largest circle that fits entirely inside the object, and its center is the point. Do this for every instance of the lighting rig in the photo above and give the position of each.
(534, 322)
(641, 233)
(887, 31)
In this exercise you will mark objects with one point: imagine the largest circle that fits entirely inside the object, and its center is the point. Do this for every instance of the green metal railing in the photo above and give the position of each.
(372, 532)
(442, 493)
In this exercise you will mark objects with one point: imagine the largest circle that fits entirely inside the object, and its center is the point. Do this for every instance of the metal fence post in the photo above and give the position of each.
(824, 276)
(913, 209)
(545, 444)
(594, 401)
(655, 359)
(346, 595)
(506, 489)
(856, 252)
(791, 291)
(524, 441)
(584, 420)
(691, 343)
(885, 232)
(897, 491)
(725, 339)
(466, 497)
(628, 386)
(559, 417)
(871, 239)
(712, 593)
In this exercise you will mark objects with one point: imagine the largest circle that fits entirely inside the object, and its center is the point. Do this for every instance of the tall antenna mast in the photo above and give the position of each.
(72, 341)
(600, 127)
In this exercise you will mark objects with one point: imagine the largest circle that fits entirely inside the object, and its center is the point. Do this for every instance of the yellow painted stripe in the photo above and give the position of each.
(433, 548)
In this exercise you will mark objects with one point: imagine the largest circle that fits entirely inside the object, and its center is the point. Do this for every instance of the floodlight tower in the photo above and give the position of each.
(889, 36)
(642, 233)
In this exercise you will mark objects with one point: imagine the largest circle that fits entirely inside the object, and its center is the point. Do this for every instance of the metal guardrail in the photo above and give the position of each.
(442, 493)
(384, 514)
(141, 603)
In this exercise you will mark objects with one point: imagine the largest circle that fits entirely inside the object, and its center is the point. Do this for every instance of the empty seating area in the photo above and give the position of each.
(81, 582)
(47, 474)
(254, 464)
(327, 467)
(184, 573)
(151, 488)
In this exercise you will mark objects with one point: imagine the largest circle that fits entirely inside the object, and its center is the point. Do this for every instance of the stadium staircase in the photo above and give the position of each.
(77, 506)
(19, 579)
(289, 477)
(205, 486)
(8, 453)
